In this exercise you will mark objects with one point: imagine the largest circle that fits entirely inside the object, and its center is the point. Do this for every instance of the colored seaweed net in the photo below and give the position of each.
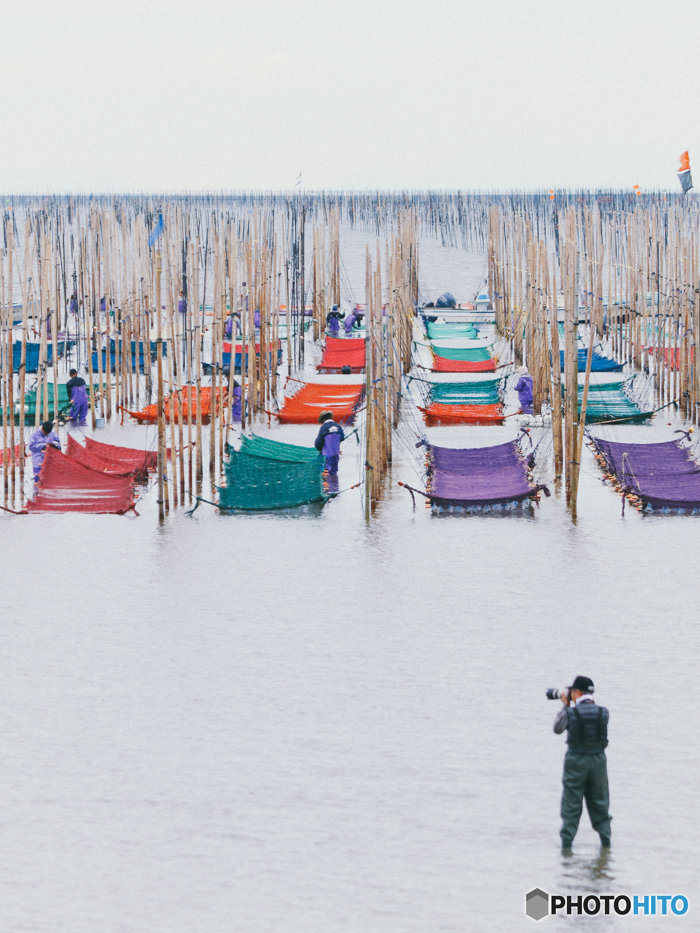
(340, 352)
(306, 405)
(651, 476)
(68, 486)
(262, 482)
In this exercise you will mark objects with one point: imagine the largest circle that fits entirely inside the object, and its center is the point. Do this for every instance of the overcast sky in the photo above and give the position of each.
(153, 96)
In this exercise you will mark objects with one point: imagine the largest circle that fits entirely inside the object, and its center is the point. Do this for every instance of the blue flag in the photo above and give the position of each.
(157, 230)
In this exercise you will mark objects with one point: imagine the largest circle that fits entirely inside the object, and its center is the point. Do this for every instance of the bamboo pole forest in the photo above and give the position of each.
(202, 318)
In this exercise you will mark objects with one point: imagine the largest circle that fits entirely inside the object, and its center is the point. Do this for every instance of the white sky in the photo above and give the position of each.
(154, 96)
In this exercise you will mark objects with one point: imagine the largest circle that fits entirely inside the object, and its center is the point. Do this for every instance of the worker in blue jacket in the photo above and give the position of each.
(328, 441)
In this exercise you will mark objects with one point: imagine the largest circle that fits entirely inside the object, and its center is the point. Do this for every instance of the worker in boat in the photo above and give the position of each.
(328, 441)
(354, 319)
(77, 396)
(585, 764)
(182, 304)
(525, 390)
(335, 316)
(38, 442)
(73, 305)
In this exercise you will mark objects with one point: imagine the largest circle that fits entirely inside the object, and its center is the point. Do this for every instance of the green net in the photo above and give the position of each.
(466, 393)
(450, 331)
(608, 402)
(44, 415)
(275, 450)
(475, 355)
(259, 484)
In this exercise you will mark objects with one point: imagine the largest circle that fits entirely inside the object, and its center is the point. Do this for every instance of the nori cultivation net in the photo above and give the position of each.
(256, 446)
(257, 484)
(449, 331)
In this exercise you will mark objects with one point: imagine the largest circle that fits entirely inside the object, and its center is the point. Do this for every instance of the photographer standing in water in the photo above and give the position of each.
(585, 764)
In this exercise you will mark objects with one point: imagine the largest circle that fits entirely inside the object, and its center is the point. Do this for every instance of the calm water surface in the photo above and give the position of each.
(301, 723)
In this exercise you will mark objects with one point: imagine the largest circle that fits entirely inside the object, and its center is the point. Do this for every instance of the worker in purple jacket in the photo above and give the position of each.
(353, 319)
(38, 443)
(77, 395)
(328, 441)
(333, 320)
(524, 390)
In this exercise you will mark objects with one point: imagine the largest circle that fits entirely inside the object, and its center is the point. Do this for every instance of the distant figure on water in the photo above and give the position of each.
(234, 320)
(77, 396)
(236, 396)
(333, 320)
(354, 319)
(38, 443)
(524, 390)
(585, 764)
(328, 441)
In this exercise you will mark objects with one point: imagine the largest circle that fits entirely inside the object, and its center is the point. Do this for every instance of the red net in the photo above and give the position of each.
(9, 454)
(439, 413)
(340, 352)
(126, 456)
(134, 464)
(313, 398)
(441, 365)
(672, 357)
(67, 486)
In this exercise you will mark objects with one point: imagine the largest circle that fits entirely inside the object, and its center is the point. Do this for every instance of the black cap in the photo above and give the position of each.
(584, 684)
(47, 427)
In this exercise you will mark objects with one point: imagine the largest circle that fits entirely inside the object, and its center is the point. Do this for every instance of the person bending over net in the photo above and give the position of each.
(352, 320)
(38, 443)
(328, 441)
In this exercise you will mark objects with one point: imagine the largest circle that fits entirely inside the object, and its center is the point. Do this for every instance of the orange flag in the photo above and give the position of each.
(684, 176)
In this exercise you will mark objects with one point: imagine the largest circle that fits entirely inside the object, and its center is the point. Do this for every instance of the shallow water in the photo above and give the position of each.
(298, 722)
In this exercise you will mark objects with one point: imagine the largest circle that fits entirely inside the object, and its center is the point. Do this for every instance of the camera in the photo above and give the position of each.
(554, 694)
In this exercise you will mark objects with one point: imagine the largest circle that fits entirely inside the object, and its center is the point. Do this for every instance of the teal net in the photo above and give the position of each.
(30, 404)
(451, 331)
(260, 484)
(275, 450)
(609, 402)
(472, 355)
(466, 393)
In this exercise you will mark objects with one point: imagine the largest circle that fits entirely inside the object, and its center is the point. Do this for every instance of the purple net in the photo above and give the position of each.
(662, 475)
(455, 460)
(478, 476)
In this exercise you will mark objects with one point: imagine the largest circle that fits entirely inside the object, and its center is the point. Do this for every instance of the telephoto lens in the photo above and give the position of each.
(553, 693)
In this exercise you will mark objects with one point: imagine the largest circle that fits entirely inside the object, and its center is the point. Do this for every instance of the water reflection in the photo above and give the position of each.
(583, 873)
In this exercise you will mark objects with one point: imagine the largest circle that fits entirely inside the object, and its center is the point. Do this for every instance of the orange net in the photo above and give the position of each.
(312, 398)
(439, 413)
(149, 414)
(441, 365)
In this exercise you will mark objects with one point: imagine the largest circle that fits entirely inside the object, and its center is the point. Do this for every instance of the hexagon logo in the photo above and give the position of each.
(537, 904)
